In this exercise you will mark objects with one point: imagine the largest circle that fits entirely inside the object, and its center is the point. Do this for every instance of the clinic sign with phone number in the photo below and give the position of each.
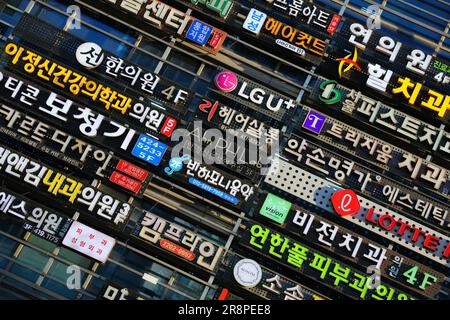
(149, 150)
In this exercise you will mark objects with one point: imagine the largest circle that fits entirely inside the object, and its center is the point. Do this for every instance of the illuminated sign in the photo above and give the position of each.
(275, 208)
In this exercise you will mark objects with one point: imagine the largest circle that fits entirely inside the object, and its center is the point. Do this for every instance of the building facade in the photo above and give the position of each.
(351, 98)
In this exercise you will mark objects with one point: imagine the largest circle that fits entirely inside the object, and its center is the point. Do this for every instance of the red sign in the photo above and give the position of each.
(179, 251)
(168, 127)
(334, 24)
(132, 170)
(125, 182)
(217, 39)
(345, 202)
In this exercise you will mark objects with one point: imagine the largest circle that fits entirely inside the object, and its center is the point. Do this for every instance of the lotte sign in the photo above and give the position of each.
(345, 202)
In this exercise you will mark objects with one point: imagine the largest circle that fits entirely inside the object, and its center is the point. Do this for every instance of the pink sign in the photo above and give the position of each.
(226, 81)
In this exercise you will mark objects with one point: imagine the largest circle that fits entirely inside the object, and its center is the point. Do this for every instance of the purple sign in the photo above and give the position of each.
(226, 81)
(314, 122)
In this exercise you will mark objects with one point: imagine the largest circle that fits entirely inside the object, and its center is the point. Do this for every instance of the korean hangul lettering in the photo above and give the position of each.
(14, 85)
(91, 122)
(277, 240)
(121, 103)
(393, 271)
(31, 60)
(52, 223)
(357, 31)
(61, 184)
(92, 89)
(132, 72)
(58, 107)
(157, 225)
(353, 136)
(235, 187)
(439, 214)
(304, 40)
(207, 250)
(316, 156)
(376, 254)
(273, 26)
(322, 19)
(214, 177)
(437, 102)
(246, 191)
(273, 283)
(304, 220)
(108, 206)
(336, 130)
(297, 255)
(388, 46)
(318, 46)
(203, 172)
(7, 205)
(321, 263)
(77, 81)
(351, 100)
(424, 207)
(389, 115)
(253, 129)
(139, 111)
(190, 239)
(46, 70)
(3, 155)
(208, 107)
(309, 12)
(370, 144)
(294, 293)
(382, 292)
(336, 164)
(192, 167)
(391, 192)
(418, 61)
(17, 163)
(405, 88)
(281, 4)
(340, 273)
(445, 145)
(174, 232)
(385, 154)
(406, 201)
(63, 73)
(272, 135)
(89, 196)
(429, 134)
(378, 77)
(327, 230)
(369, 107)
(172, 17)
(288, 32)
(348, 241)
(293, 145)
(37, 216)
(364, 179)
(114, 65)
(12, 49)
(154, 120)
(258, 231)
(34, 173)
(132, 5)
(412, 163)
(226, 113)
(360, 284)
(409, 127)
(149, 82)
(241, 118)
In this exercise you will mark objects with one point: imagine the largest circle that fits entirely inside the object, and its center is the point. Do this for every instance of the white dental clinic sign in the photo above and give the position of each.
(247, 273)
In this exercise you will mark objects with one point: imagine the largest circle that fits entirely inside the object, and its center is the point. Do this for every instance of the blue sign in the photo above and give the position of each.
(149, 150)
(199, 32)
(213, 190)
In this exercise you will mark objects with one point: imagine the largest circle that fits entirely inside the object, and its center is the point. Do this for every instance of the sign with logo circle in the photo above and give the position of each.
(345, 202)
(226, 81)
(89, 55)
(247, 273)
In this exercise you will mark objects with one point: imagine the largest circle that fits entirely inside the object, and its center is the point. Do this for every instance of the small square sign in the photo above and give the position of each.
(149, 150)
(314, 122)
(275, 208)
(199, 32)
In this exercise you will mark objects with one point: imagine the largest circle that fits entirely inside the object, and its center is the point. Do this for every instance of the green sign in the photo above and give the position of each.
(275, 208)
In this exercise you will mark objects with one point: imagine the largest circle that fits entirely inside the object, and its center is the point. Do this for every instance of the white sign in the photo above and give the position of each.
(247, 273)
(255, 21)
(89, 241)
(90, 55)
